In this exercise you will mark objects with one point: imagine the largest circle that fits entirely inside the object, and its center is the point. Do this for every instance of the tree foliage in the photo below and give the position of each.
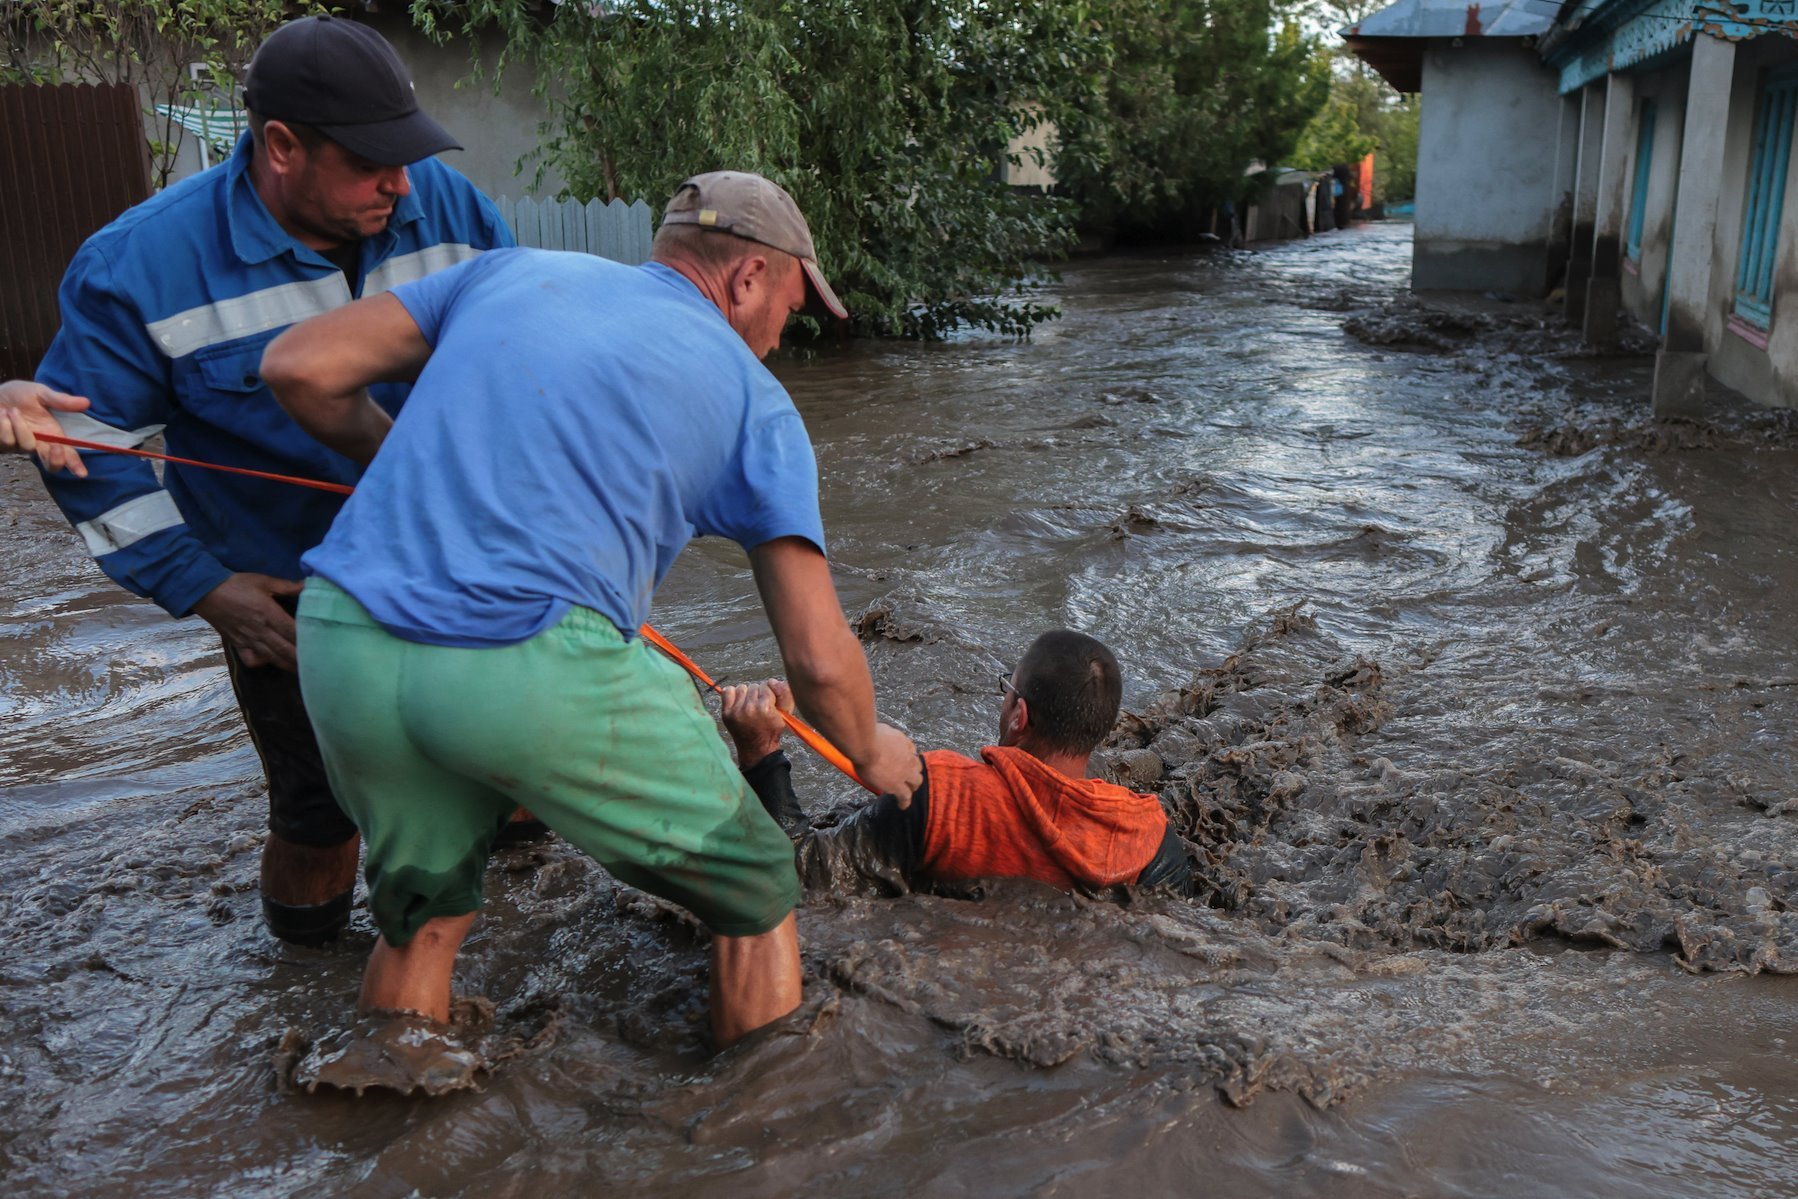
(1192, 93)
(886, 119)
(1363, 115)
(1334, 137)
(1395, 163)
(175, 52)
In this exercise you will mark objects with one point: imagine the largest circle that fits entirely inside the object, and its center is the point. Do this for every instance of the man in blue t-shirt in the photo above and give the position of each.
(469, 633)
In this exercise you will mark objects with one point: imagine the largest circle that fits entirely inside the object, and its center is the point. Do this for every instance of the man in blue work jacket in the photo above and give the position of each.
(165, 314)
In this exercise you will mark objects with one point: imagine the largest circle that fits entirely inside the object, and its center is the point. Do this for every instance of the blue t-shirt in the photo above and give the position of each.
(579, 421)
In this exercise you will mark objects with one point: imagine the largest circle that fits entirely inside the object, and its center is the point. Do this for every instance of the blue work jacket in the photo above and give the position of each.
(165, 314)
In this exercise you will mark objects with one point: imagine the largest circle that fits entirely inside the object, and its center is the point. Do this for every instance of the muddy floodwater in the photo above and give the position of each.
(1471, 688)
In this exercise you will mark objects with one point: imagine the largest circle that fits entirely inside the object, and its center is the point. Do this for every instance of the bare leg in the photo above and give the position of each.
(303, 874)
(415, 977)
(755, 980)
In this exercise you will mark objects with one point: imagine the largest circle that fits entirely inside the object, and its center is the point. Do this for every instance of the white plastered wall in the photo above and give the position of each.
(1767, 376)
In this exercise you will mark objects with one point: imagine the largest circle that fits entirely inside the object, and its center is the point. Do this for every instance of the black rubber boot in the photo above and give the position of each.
(309, 924)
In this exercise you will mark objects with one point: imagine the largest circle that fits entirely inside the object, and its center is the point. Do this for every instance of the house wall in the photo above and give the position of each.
(1035, 151)
(1560, 238)
(496, 130)
(1485, 186)
(1770, 375)
(1645, 275)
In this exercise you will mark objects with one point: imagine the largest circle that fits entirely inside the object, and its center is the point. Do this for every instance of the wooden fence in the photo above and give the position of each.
(71, 159)
(614, 230)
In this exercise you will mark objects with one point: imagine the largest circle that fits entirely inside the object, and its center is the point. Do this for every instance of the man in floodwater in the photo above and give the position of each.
(1026, 809)
(468, 639)
(333, 193)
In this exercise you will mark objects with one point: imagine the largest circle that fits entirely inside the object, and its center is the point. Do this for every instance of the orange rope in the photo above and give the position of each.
(805, 732)
(317, 484)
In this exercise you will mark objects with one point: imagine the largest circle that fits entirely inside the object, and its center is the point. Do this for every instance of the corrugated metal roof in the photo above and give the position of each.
(1458, 18)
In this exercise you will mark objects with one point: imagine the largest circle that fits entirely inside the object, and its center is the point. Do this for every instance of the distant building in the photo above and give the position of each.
(1486, 215)
(1029, 160)
(1638, 150)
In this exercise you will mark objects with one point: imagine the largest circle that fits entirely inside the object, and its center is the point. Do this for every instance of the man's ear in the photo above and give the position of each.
(282, 147)
(749, 276)
(1019, 723)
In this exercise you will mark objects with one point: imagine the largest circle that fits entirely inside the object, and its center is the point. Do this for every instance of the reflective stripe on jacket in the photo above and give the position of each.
(165, 314)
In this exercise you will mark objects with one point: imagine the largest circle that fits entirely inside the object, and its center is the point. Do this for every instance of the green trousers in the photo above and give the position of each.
(429, 748)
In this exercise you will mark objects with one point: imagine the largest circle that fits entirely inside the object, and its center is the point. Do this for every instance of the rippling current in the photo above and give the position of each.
(1469, 686)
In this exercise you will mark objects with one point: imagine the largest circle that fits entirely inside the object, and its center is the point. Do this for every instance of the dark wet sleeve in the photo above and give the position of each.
(1170, 866)
(879, 843)
(772, 781)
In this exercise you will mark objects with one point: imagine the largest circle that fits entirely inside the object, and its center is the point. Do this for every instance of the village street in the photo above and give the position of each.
(1468, 684)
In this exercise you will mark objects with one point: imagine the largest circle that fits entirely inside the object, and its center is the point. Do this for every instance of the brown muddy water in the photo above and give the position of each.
(1470, 687)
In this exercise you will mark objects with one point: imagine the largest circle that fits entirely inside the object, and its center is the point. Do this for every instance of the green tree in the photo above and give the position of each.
(1395, 162)
(175, 52)
(1193, 92)
(1334, 136)
(886, 119)
(1363, 115)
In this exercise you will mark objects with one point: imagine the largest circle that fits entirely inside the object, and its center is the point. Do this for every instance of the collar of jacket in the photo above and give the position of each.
(256, 237)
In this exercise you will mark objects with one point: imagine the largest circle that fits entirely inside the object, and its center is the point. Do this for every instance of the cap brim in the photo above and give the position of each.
(394, 143)
(823, 301)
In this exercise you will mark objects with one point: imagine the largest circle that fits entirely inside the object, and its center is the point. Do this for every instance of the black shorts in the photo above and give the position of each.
(301, 807)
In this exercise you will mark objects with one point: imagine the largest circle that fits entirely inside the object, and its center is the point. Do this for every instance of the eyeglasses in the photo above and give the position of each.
(1005, 685)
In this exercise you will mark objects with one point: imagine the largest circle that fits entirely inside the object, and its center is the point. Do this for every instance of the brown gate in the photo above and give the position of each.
(71, 158)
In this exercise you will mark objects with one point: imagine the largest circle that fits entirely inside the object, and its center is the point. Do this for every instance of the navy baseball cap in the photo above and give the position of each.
(343, 79)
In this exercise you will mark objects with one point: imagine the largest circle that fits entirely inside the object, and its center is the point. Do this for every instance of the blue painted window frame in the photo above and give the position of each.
(1766, 195)
(1638, 200)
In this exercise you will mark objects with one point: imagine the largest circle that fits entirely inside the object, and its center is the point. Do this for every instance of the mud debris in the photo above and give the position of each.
(406, 1054)
(1293, 825)
(1407, 323)
(1130, 395)
(959, 450)
(1135, 522)
(881, 621)
(1732, 429)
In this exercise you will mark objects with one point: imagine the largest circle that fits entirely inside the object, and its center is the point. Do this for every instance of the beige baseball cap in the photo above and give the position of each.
(760, 210)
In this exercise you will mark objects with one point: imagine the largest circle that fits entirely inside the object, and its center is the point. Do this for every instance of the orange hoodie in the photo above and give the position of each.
(1013, 816)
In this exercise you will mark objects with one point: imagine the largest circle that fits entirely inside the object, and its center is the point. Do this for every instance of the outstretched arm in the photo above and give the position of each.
(825, 664)
(320, 369)
(880, 842)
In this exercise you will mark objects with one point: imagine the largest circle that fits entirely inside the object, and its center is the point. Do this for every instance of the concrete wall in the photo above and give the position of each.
(497, 130)
(1560, 193)
(1645, 275)
(1485, 179)
(1770, 375)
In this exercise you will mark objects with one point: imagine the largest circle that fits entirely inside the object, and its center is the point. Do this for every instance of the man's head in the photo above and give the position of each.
(1063, 698)
(742, 241)
(335, 122)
